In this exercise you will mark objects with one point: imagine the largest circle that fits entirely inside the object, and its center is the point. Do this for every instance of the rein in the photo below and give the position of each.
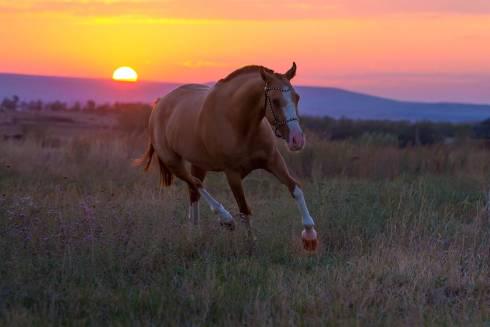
(278, 123)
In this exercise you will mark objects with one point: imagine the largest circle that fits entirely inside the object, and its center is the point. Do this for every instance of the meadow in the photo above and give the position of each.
(87, 239)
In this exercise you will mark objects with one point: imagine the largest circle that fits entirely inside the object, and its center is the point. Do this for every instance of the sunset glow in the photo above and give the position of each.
(125, 74)
(407, 49)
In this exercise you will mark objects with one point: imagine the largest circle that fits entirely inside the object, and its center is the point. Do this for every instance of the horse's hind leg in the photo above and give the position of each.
(226, 218)
(179, 170)
(194, 195)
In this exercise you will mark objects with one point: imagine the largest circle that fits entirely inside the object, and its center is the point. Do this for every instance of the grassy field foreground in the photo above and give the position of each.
(87, 239)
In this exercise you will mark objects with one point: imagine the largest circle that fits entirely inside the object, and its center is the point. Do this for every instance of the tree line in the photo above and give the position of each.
(133, 117)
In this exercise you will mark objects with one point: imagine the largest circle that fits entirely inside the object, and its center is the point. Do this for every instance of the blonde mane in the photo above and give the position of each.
(245, 70)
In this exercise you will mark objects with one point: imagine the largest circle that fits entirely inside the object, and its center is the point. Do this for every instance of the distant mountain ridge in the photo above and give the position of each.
(315, 101)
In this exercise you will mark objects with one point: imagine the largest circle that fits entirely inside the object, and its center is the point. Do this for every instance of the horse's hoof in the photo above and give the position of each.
(230, 225)
(310, 241)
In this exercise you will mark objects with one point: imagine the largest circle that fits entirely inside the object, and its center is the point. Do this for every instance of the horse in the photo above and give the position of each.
(231, 128)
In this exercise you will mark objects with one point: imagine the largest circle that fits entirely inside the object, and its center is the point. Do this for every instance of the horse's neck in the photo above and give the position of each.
(248, 107)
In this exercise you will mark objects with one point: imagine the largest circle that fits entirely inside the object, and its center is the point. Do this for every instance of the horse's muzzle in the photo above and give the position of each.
(296, 139)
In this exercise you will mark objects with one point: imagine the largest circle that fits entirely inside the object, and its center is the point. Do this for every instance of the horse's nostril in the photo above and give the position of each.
(297, 140)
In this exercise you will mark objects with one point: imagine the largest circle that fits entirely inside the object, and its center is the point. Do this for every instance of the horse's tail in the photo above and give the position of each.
(166, 176)
(146, 158)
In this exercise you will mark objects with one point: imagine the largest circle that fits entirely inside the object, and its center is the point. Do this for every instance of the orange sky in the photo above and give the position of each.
(377, 46)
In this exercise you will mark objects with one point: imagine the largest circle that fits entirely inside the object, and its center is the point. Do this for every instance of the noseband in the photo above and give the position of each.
(278, 123)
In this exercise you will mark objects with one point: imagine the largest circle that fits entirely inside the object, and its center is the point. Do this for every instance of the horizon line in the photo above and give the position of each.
(344, 89)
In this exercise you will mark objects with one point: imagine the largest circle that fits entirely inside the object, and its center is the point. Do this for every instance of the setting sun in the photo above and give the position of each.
(125, 74)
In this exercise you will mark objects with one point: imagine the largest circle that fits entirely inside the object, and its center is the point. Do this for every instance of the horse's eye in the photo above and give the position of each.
(276, 103)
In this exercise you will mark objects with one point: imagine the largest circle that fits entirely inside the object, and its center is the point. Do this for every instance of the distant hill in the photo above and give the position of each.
(315, 101)
(341, 103)
(67, 89)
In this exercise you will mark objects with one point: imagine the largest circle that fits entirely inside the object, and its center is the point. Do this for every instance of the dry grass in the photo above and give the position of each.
(87, 239)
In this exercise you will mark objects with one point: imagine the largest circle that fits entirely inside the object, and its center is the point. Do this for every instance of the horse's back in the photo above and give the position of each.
(174, 119)
(187, 96)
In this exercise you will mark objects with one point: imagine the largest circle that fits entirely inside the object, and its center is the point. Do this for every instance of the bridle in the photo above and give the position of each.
(278, 123)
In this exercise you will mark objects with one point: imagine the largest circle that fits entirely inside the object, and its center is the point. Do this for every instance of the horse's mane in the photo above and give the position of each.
(244, 70)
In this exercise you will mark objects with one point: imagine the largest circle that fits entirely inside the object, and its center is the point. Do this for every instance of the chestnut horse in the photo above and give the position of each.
(229, 128)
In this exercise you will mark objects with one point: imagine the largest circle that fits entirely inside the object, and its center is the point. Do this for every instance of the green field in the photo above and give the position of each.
(86, 239)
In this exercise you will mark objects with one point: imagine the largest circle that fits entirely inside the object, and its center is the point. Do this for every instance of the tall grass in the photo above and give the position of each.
(87, 239)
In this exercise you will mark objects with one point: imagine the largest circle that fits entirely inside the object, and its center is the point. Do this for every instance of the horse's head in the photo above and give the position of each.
(281, 107)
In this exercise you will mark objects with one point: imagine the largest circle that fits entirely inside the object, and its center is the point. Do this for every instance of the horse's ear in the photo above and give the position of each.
(291, 72)
(266, 76)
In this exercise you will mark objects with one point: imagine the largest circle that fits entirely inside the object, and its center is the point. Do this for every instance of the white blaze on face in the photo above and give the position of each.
(296, 139)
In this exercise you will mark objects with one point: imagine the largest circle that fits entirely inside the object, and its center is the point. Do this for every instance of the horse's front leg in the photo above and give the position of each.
(235, 181)
(278, 168)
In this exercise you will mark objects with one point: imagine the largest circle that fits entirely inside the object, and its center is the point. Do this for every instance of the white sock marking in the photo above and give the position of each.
(194, 212)
(300, 201)
(215, 206)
